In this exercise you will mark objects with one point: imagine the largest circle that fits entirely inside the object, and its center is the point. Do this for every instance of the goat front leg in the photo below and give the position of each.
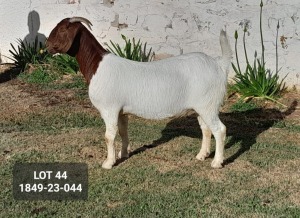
(110, 134)
(123, 131)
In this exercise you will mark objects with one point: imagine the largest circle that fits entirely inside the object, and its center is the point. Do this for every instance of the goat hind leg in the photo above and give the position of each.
(206, 140)
(110, 134)
(123, 131)
(218, 130)
(219, 133)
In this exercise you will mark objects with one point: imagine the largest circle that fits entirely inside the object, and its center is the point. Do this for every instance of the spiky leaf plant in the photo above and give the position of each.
(257, 81)
(136, 51)
(27, 53)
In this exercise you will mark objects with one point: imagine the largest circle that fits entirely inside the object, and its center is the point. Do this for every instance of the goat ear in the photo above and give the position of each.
(71, 37)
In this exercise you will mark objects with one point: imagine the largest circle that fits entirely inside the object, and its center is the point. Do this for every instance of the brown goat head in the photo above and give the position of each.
(63, 36)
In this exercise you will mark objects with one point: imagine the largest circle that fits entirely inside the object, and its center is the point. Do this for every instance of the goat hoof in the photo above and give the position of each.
(201, 156)
(123, 155)
(216, 164)
(107, 164)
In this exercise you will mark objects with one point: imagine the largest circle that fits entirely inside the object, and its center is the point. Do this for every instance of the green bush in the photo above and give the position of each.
(257, 81)
(132, 51)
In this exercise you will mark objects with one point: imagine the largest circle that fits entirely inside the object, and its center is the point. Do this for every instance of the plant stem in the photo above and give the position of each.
(244, 42)
(277, 47)
(261, 35)
(236, 54)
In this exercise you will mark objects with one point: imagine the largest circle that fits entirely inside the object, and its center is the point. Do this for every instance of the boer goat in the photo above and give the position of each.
(153, 90)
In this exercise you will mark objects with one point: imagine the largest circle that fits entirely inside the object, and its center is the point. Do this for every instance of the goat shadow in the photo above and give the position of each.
(242, 127)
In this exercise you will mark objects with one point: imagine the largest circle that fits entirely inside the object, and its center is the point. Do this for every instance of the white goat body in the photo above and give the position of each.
(153, 90)
(160, 89)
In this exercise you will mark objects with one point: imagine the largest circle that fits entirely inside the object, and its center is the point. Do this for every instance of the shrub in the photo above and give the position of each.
(132, 51)
(257, 81)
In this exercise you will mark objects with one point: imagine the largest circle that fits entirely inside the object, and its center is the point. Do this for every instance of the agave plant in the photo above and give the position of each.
(136, 51)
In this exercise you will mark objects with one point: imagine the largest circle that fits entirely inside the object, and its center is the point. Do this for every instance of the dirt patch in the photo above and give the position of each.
(15, 101)
(288, 99)
(18, 98)
(85, 144)
(281, 136)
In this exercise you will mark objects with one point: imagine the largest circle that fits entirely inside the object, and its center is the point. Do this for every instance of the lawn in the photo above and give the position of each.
(161, 178)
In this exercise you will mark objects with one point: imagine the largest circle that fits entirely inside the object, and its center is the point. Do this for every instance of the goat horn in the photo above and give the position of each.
(81, 19)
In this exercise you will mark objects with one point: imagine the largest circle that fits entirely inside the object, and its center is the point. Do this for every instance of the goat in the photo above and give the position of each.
(152, 90)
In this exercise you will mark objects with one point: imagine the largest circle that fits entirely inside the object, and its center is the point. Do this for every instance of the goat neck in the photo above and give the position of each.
(88, 53)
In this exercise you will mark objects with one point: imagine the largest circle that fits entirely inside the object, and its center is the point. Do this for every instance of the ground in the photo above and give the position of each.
(162, 177)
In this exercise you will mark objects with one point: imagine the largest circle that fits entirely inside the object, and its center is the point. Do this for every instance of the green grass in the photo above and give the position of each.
(58, 72)
(165, 181)
(135, 191)
(279, 152)
(47, 79)
(52, 122)
(39, 76)
(286, 125)
(241, 106)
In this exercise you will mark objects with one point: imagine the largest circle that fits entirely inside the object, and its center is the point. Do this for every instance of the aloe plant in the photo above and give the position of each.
(257, 81)
(26, 53)
(136, 51)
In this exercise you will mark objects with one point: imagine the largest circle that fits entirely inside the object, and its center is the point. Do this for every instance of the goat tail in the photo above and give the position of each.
(226, 52)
